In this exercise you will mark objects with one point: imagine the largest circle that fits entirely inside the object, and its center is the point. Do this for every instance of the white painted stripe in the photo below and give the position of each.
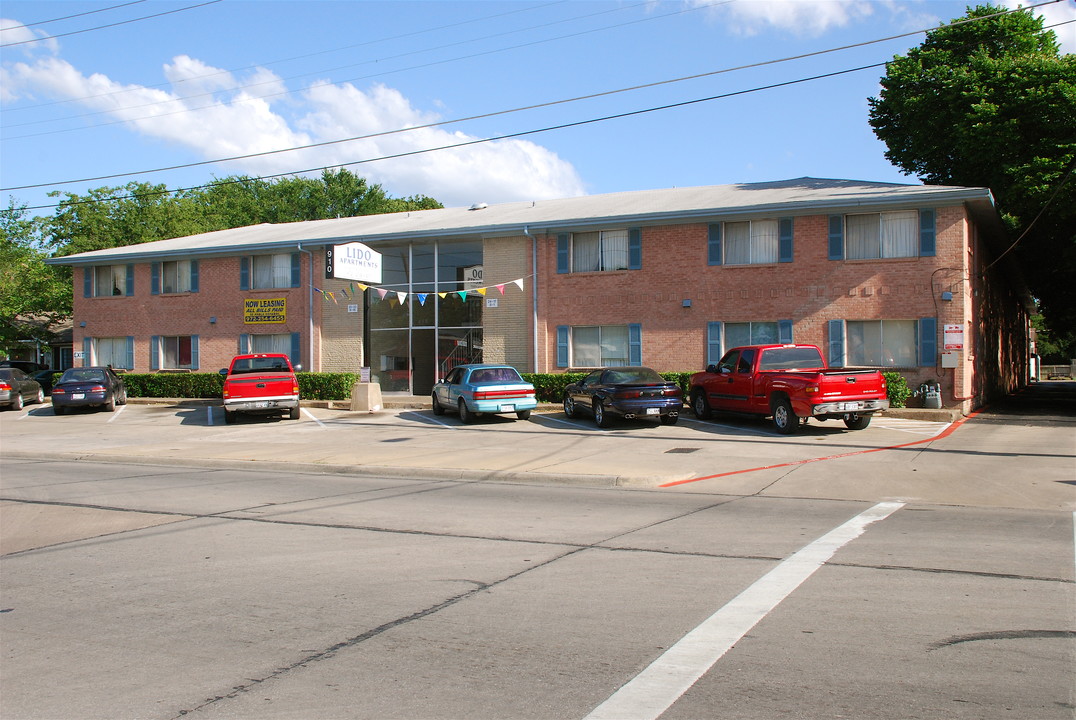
(655, 689)
(311, 416)
(119, 411)
(209, 414)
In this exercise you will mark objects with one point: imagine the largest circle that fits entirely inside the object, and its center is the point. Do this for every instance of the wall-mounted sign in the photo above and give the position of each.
(265, 310)
(472, 277)
(353, 261)
(954, 337)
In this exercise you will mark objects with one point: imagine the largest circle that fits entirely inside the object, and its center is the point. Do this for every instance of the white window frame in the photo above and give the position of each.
(117, 285)
(760, 245)
(116, 360)
(872, 350)
(754, 333)
(181, 269)
(275, 276)
(271, 343)
(611, 252)
(895, 235)
(171, 348)
(609, 352)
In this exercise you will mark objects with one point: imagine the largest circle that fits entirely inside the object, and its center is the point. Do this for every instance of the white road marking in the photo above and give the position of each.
(655, 689)
(209, 414)
(916, 427)
(311, 416)
(119, 411)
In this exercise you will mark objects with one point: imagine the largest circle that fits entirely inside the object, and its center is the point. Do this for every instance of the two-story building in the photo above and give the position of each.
(900, 277)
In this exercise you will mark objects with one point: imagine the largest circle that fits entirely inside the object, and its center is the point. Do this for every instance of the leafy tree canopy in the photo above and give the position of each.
(992, 103)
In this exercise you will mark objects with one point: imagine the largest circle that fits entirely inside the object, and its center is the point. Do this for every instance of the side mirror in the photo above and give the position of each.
(711, 368)
(224, 372)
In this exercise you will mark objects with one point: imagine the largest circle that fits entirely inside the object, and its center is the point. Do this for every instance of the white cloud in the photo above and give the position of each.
(27, 40)
(801, 17)
(1052, 15)
(215, 114)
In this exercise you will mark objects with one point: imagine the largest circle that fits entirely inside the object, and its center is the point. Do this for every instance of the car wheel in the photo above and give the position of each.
(438, 408)
(601, 419)
(700, 405)
(17, 402)
(569, 406)
(784, 418)
(40, 396)
(523, 414)
(855, 421)
(110, 406)
(669, 419)
(58, 410)
(123, 398)
(293, 414)
(465, 413)
(229, 417)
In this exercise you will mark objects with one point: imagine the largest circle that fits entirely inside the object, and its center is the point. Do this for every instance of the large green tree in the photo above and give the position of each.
(989, 101)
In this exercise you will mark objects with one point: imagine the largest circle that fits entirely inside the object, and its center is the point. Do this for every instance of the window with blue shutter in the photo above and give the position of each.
(713, 244)
(927, 233)
(130, 281)
(244, 273)
(87, 282)
(836, 343)
(563, 356)
(563, 257)
(155, 278)
(87, 351)
(784, 240)
(155, 352)
(635, 249)
(296, 270)
(130, 353)
(928, 341)
(784, 331)
(836, 237)
(194, 276)
(635, 344)
(244, 344)
(194, 352)
(296, 351)
(713, 343)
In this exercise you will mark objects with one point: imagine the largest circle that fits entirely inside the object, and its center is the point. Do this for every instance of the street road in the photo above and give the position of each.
(829, 575)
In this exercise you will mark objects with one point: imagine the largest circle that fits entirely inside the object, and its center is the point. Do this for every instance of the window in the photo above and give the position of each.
(751, 333)
(750, 243)
(279, 344)
(600, 251)
(266, 272)
(176, 276)
(109, 280)
(882, 235)
(880, 343)
(599, 345)
(115, 351)
(173, 352)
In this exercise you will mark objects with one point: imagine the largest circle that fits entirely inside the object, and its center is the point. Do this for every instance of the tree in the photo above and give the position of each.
(992, 103)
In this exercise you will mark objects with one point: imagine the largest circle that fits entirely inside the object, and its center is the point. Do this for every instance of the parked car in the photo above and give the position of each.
(45, 379)
(473, 390)
(260, 384)
(630, 392)
(17, 389)
(26, 366)
(790, 383)
(98, 387)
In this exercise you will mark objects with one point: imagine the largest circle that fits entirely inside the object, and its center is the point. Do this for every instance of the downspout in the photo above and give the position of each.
(309, 308)
(534, 295)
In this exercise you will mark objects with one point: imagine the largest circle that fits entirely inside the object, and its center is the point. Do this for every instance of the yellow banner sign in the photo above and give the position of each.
(267, 310)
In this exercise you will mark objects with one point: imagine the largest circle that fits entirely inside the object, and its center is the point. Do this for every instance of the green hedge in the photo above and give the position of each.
(896, 389)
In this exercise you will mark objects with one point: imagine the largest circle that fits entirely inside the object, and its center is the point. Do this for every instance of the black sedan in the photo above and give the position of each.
(88, 387)
(17, 389)
(630, 392)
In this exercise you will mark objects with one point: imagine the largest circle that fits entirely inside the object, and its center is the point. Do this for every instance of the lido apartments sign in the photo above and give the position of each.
(353, 261)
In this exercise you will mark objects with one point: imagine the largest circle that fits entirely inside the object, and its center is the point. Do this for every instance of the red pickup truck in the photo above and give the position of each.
(788, 382)
(261, 384)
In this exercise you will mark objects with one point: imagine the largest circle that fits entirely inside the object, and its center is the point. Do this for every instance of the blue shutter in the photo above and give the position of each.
(130, 353)
(563, 264)
(155, 278)
(635, 344)
(836, 237)
(713, 343)
(836, 343)
(927, 233)
(635, 249)
(244, 273)
(784, 331)
(130, 281)
(244, 344)
(784, 241)
(155, 352)
(296, 270)
(194, 352)
(562, 346)
(87, 282)
(87, 351)
(928, 341)
(296, 351)
(194, 276)
(713, 246)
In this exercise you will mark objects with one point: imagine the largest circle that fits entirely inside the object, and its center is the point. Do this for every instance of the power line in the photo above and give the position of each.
(71, 17)
(102, 27)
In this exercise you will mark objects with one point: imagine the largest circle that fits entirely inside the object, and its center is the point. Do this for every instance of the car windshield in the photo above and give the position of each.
(632, 375)
(791, 359)
(83, 375)
(495, 375)
(260, 364)
(5, 373)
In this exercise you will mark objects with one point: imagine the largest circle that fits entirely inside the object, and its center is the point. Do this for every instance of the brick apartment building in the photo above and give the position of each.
(900, 277)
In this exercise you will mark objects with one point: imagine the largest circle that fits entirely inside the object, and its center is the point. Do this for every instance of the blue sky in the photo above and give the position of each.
(209, 80)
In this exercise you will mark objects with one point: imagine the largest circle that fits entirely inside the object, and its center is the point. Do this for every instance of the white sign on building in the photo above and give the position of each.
(353, 261)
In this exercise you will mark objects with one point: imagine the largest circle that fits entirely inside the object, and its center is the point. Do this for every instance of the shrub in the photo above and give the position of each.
(896, 389)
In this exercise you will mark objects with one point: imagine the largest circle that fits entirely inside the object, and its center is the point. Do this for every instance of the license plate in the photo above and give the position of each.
(78, 396)
(261, 404)
(653, 411)
(851, 406)
(508, 408)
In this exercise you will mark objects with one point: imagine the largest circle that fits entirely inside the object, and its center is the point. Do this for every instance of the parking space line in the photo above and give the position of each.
(655, 689)
(209, 414)
(312, 417)
(119, 411)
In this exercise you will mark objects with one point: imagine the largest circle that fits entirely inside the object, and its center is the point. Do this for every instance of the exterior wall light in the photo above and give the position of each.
(948, 296)
(686, 303)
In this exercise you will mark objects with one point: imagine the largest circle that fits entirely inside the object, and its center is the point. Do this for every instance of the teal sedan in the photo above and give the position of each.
(473, 390)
